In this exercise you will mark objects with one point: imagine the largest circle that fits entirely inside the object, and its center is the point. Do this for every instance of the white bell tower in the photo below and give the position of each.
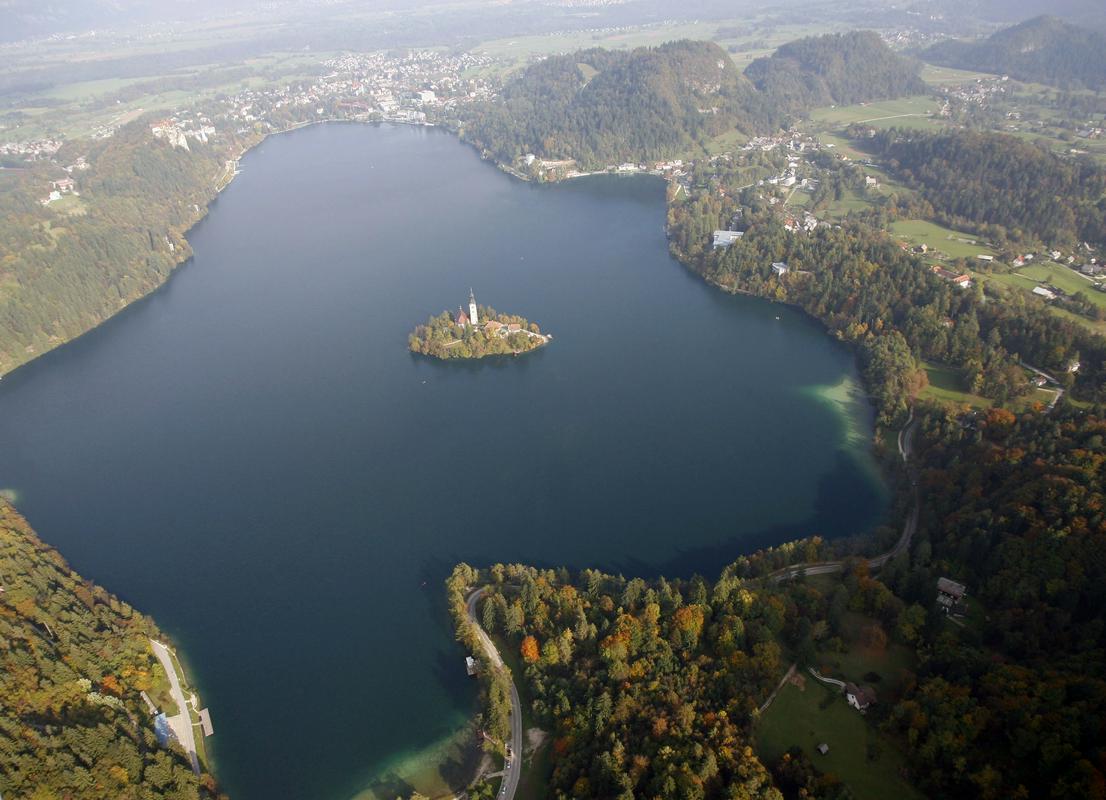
(472, 309)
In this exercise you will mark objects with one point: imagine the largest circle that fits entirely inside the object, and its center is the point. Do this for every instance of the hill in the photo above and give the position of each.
(601, 107)
(976, 178)
(73, 661)
(1043, 50)
(843, 69)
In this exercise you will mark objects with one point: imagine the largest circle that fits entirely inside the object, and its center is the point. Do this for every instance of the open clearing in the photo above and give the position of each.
(797, 717)
(955, 244)
(916, 111)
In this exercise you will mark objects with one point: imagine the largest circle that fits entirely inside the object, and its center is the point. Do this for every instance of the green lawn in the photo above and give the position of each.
(888, 663)
(955, 244)
(946, 386)
(850, 201)
(1063, 277)
(797, 718)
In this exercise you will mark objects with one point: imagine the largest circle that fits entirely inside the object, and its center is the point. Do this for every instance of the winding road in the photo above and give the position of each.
(512, 770)
(906, 446)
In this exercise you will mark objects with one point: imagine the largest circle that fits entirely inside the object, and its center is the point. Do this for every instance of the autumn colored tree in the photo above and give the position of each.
(530, 650)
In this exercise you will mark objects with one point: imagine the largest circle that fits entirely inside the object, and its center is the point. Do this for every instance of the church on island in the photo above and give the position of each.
(480, 331)
(471, 318)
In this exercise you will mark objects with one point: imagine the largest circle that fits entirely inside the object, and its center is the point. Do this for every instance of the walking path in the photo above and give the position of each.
(512, 769)
(786, 677)
(181, 722)
(831, 681)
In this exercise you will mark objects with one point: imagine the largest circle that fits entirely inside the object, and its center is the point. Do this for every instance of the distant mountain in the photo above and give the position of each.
(1043, 49)
(601, 107)
(1085, 12)
(854, 67)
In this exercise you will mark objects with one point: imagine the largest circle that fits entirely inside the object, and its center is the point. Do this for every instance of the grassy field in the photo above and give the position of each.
(946, 386)
(1064, 278)
(955, 244)
(917, 111)
(940, 76)
(813, 715)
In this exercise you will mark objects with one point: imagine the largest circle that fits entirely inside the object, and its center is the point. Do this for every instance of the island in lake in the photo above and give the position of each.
(479, 332)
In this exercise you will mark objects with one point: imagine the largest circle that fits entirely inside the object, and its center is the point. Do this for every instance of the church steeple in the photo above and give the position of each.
(472, 309)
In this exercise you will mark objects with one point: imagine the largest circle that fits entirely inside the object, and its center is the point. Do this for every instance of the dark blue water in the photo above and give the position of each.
(252, 456)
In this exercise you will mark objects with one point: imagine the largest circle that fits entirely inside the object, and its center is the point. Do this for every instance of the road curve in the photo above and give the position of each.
(512, 771)
(906, 446)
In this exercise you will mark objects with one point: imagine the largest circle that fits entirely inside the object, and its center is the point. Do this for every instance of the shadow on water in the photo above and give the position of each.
(839, 493)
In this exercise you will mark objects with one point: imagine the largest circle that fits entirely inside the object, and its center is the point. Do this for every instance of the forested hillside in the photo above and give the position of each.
(73, 660)
(1014, 705)
(1041, 50)
(601, 106)
(70, 266)
(973, 178)
(841, 68)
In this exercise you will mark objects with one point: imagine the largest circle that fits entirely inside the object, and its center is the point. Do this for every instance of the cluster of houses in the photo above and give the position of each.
(31, 151)
(978, 92)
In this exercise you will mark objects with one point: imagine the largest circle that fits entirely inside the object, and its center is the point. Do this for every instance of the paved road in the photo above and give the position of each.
(906, 446)
(181, 723)
(512, 772)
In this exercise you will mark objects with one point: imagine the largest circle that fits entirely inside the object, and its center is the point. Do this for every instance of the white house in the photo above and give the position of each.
(726, 238)
(779, 268)
(1041, 291)
(859, 697)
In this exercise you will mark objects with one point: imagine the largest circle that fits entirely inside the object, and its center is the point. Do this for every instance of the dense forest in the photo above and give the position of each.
(602, 107)
(841, 68)
(73, 660)
(648, 688)
(975, 178)
(1042, 50)
(1013, 706)
(70, 266)
(497, 335)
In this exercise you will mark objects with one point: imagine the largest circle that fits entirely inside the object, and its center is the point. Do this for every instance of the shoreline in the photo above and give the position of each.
(229, 174)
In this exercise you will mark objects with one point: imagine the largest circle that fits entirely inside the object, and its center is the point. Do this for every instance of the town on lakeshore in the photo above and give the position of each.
(476, 333)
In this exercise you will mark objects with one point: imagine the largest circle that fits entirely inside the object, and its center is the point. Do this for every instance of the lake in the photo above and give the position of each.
(252, 456)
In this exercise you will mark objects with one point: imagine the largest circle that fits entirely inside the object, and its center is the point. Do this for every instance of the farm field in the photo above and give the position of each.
(746, 39)
(916, 111)
(940, 76)
(1064, 278)
(953, 243)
